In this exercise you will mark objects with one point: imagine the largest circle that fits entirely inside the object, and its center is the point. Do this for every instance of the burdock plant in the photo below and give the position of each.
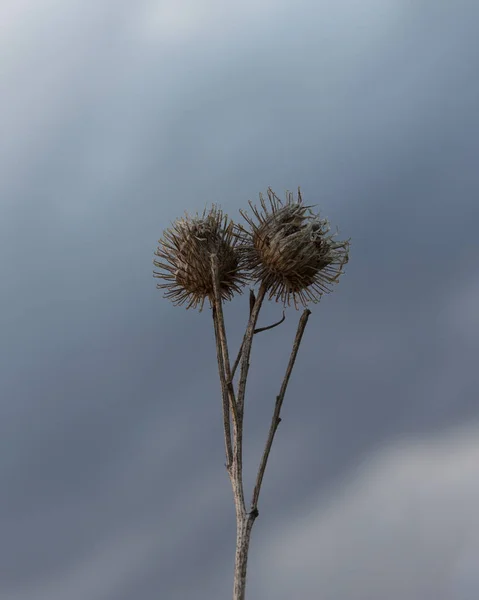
(286, 251)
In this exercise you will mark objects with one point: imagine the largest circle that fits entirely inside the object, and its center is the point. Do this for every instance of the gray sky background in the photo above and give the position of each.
(115, 117)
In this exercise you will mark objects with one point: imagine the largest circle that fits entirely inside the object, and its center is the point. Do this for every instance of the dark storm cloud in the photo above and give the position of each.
(111, 463)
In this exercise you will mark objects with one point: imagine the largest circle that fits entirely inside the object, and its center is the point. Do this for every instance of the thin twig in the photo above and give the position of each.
(276, 420)
(259, 330)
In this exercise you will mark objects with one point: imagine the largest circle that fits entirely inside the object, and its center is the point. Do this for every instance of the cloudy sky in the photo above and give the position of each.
(115, 117)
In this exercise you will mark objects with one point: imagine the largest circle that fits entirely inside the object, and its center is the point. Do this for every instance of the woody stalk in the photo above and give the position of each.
(286, 252)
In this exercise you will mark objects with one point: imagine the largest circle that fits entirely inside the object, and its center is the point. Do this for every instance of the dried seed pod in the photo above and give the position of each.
(289, 248)
(186, 248)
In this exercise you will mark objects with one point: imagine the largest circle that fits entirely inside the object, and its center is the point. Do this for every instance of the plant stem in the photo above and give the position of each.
(224, 393)
(244, 521)
(276, 420)
(245, 525)
(235, 406)
(229, 401)
(243, 537)
(246, 346)
(235, 465)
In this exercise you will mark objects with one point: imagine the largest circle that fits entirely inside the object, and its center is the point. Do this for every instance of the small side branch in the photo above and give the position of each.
(259, 330)
(276, 420)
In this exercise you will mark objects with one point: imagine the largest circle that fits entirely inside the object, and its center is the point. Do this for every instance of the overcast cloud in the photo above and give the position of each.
(115, 117)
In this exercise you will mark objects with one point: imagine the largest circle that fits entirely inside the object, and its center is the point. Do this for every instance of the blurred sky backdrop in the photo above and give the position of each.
(115, 117)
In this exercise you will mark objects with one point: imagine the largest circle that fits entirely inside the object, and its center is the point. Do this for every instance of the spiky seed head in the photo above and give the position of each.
(290, 249)
(185, 251)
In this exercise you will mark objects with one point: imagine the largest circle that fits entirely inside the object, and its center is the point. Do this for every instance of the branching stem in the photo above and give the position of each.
(233, 406)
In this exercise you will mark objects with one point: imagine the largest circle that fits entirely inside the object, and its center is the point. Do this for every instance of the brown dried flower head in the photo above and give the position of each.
(185, 251)
(289, 248)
